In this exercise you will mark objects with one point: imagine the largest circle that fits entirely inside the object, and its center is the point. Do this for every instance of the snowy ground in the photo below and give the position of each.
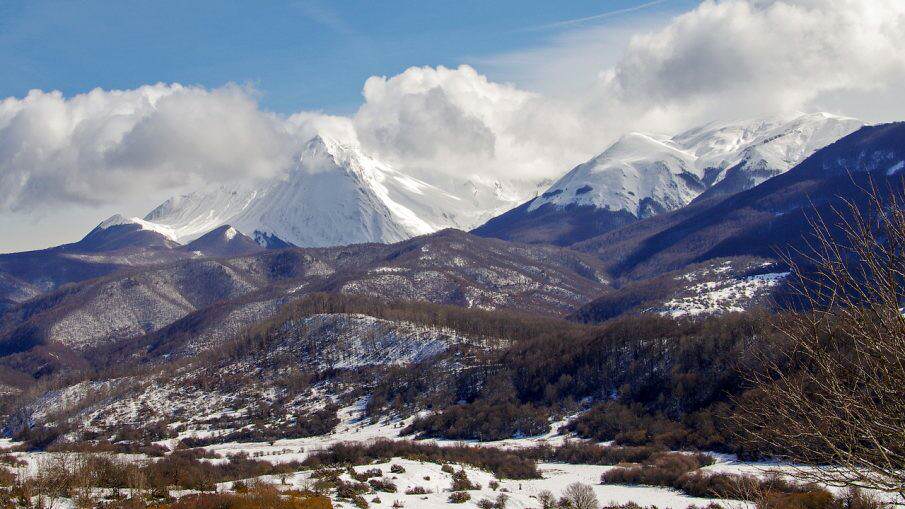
(555, 476)
(522, 494)
(353, 428)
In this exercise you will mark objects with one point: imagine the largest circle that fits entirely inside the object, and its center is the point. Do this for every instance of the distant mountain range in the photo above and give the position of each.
(139, 291)
(646, 207)
(642, 175)
(651, 258)
(337, 194)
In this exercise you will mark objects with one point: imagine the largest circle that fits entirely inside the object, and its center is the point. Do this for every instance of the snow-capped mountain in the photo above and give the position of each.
(335, 195)
(641, 175)
(223, 242)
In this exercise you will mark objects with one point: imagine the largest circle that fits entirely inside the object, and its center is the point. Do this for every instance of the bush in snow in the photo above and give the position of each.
(461, 482)
(384, 485)
(579, 496)
(350, 490)
(459, 497)
(546, 499)
(364, 476)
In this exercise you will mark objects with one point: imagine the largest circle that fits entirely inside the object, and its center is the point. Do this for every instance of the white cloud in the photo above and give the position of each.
(725, 59)
(456, 121)
(102, 146)
(753, 57)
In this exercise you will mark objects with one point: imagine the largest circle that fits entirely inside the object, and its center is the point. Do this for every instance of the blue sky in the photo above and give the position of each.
(305, 55)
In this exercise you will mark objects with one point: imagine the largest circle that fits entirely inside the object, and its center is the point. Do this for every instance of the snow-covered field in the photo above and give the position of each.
(430, 476)
(353, 428)
(521, 493)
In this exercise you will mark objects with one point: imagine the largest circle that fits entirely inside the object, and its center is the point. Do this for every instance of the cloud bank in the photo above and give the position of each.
(750, 57)
(100, 146)
(724, 59)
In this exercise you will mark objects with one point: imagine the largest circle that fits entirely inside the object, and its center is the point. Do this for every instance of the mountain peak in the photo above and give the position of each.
(323, 144)
(120, 220)
(115, 220)
(224, 241)
(670, 172)
(336, 194)
(121, 232)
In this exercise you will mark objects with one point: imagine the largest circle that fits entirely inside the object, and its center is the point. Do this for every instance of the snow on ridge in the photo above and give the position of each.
(636, 167)
(356, 340)
(642, 168)
(120, 220)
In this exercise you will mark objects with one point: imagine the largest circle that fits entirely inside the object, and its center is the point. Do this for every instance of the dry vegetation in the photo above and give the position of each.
(835, 398)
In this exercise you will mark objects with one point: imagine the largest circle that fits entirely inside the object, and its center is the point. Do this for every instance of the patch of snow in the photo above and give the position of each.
(388, 270)
(119, 220)
(727, 295)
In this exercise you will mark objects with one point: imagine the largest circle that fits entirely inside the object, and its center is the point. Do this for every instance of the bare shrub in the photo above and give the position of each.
(459, 497)
(384, 485)
(461, 482)
(580, 496)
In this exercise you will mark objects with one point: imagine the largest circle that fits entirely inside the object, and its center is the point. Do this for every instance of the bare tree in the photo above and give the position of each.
(579, 496)
(835, 397)
(546, 499)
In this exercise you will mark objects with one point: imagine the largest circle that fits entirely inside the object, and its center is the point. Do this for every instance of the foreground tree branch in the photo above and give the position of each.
(835, 395)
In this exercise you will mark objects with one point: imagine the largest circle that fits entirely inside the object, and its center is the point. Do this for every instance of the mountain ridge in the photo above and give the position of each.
(644, 175)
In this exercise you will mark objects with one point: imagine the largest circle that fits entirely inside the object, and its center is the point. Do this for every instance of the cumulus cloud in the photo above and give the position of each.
(755, 57)
(457, 121)
(108, 145)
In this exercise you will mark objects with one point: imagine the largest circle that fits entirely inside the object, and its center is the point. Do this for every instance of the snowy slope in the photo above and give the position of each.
(191, 216)
(646, 174)
(335, 195)
(120, 220)
(637, 172)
